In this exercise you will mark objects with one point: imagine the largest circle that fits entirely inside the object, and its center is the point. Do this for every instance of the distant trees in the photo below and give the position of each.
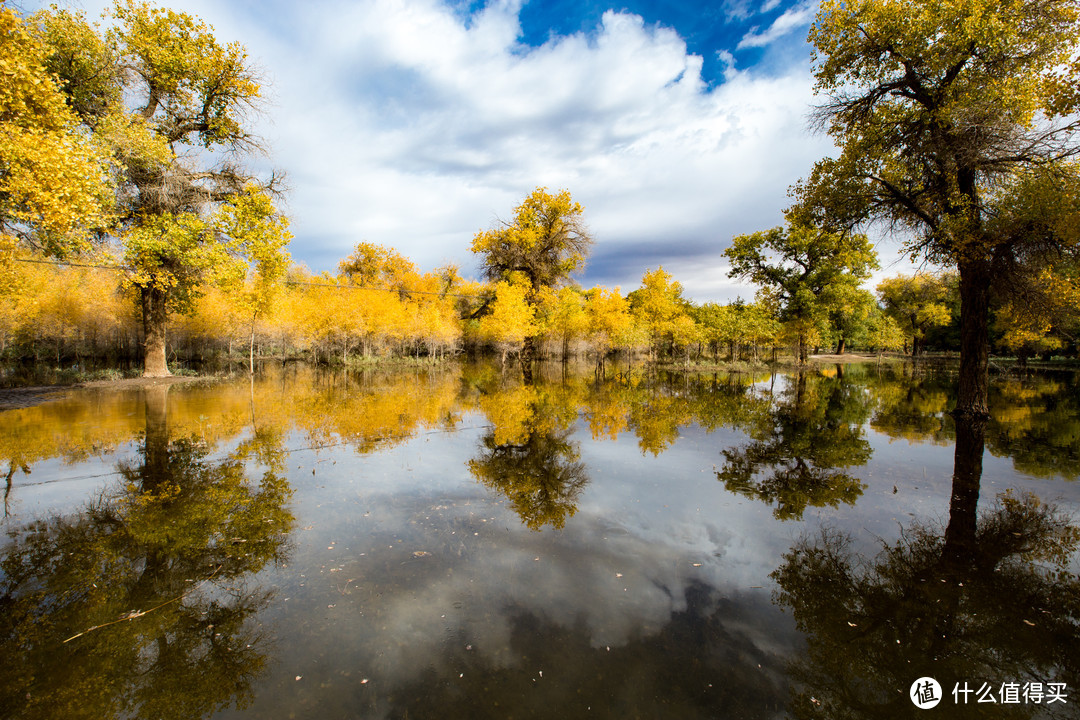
(917, 303)
(659, 308)
(807, 272)
(546, 242)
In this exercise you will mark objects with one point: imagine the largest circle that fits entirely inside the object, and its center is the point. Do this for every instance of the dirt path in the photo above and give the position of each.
(22, 397)
(845, 358)
(12, 398)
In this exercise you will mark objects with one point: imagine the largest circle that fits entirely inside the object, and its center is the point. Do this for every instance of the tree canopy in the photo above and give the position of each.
(957, 126)
(54, 185)
(171, 106)
(806, 270)
(546, 242)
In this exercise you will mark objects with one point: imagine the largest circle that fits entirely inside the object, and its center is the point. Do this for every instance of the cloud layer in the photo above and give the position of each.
(415, 123)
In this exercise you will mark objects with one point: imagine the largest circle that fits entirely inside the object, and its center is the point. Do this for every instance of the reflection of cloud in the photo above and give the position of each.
(420, 599)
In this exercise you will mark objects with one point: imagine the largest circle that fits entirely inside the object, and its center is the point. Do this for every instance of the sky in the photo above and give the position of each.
(415, 124)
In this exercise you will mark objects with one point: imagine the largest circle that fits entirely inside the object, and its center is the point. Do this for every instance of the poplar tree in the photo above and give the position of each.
(172, 106)
(957, 127)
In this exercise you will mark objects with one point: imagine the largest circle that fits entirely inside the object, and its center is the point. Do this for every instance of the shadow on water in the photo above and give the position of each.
(138, 606)
(987, 603)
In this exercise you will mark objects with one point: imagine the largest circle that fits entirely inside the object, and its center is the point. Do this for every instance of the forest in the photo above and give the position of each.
(132, 232)
(380, 306)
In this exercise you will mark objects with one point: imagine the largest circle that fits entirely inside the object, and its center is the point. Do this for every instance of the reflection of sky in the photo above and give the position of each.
(403, 563)
(407, 559)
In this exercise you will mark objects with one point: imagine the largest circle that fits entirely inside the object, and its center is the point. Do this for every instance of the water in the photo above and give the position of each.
(452, 543)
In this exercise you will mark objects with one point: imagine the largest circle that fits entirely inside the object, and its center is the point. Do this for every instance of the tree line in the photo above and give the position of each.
(380, 305)
(955, 126)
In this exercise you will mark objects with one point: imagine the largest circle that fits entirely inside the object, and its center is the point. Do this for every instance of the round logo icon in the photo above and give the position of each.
(925, 693)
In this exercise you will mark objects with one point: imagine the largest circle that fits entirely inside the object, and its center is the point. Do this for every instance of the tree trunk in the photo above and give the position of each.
(971, 401)
(528, 351)
(959, 550)
(251, 348)
(840, 346)
(154, 314)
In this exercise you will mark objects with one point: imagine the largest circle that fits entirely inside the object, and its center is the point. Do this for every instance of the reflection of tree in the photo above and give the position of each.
(528, 455)
(1036, 422)
(146, 584)
(989, 599)
(801, 446)
(914, 408)
(542, 476)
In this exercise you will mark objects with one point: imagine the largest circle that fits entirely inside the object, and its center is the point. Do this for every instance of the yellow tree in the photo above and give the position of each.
(917, 303)
(256, 231)
(170, 102)
(1045, 315)
(54, 185)
(563, 316)
(659, 306)
(545, 243)
(957, 124)
(373, 265)
(609, 322)
(511, 319)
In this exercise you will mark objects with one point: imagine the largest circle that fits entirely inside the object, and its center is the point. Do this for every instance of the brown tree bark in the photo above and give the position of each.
(971, 401)
(528, 352)
(154, 315)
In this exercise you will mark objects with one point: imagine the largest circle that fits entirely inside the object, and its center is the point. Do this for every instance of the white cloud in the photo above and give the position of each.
(791, 20)
(403, 123)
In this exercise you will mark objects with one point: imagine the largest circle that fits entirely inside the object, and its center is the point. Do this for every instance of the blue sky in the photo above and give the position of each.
(416, 123)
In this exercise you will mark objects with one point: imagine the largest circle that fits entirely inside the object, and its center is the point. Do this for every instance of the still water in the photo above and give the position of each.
(451, 543)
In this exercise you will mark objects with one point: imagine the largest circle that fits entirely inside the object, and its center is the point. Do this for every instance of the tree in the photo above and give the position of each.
(54, 185)
(511, 320)
(255, 228)
(377, 266)
(1043, 314)
(804, 268)
(546, 242)
(659, 307)
(882, 333)
(170, 103)
(956, 123)
(608, 320)
(917, 303)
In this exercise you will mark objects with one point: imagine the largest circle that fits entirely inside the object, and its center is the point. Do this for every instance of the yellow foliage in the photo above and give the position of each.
(52, 177)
